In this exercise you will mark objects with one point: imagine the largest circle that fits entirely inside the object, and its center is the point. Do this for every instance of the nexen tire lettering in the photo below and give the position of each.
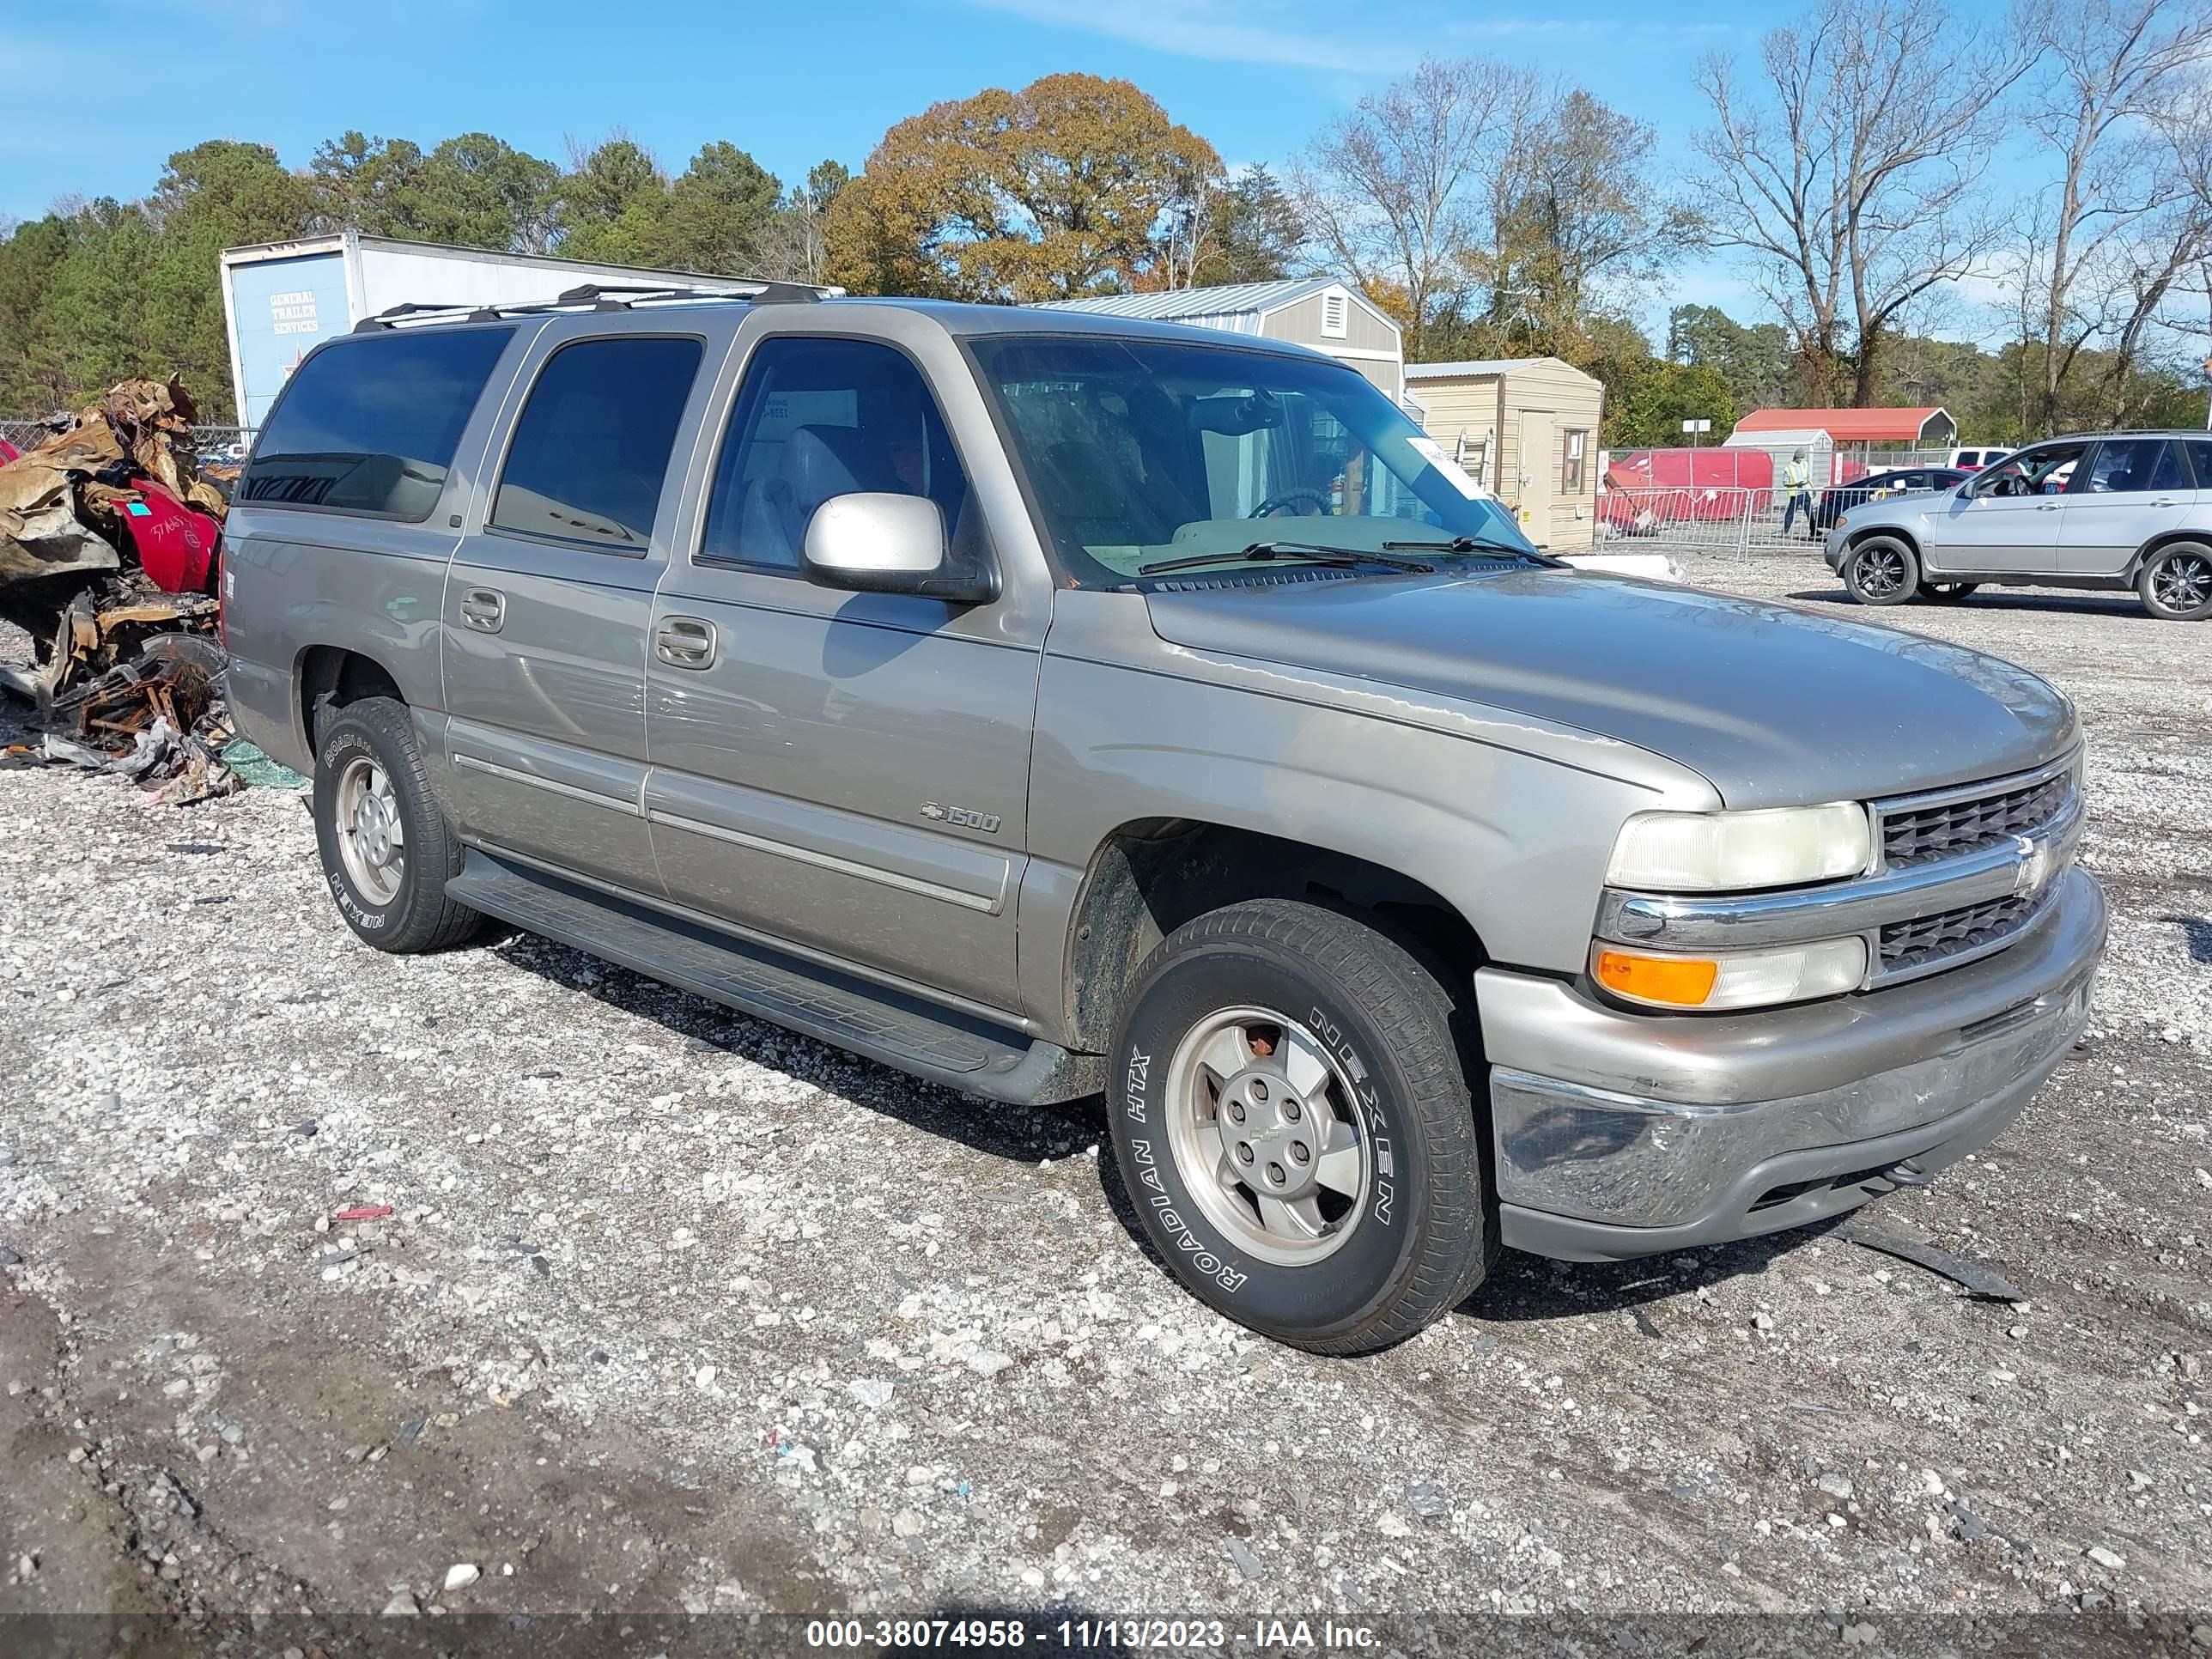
(1371, 1106)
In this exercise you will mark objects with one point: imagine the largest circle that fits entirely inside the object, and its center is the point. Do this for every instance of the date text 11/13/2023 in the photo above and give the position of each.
(1104, 1634)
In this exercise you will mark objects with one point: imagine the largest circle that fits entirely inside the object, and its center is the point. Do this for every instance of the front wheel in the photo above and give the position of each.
(1881, 570)
(2175, 584)
(1294, 1124)
(1946, 592)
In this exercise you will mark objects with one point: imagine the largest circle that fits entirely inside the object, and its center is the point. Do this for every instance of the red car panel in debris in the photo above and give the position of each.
(176, 545)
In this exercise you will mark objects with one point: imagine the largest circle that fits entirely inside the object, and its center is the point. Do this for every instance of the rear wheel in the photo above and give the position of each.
(2175, 584)
(387, 851)
(1881, 570)
(1295, 1126)
(1946, 592)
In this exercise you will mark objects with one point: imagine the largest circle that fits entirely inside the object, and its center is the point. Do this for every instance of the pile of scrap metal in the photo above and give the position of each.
(110, 549)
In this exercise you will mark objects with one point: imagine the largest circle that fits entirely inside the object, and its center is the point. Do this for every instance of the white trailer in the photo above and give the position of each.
(281, 300)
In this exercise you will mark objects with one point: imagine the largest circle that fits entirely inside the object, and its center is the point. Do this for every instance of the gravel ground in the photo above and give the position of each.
(675, 1312)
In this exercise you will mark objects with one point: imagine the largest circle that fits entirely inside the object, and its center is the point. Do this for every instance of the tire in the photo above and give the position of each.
(1946, 592)
(1337, 1017)
(1881, 570)
(2175, 583)
(368, 772)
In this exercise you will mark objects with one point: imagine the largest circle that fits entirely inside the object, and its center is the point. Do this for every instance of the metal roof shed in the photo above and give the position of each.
(1526, 429)
(1860, 427)
(1321, 311)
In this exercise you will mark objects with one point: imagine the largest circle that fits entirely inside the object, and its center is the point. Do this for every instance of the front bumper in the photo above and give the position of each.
(1621, 1134)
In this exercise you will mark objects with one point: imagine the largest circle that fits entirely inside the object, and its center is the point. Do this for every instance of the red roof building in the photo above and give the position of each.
(1925, 427)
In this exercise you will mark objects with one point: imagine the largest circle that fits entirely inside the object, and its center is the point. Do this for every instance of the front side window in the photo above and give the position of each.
(592, 449)
(2044, 471)
(1140, 452)
(818, 418)
(369, 424)
(2132, 465)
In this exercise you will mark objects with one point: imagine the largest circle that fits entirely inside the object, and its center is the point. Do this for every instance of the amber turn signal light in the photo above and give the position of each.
(1684, 981)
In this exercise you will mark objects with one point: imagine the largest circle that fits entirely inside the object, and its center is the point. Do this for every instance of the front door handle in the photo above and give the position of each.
(2046, 507)
(483, 609)
(684, 642)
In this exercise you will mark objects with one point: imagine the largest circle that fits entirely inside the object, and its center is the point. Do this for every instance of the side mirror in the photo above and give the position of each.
(875, 541)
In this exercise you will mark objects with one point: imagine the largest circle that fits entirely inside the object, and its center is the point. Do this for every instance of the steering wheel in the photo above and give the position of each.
(1276, 503)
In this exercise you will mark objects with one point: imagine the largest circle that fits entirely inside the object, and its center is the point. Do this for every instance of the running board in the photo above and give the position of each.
(958, 1050)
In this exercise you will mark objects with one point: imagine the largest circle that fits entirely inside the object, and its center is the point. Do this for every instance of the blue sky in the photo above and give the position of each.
(97, 94)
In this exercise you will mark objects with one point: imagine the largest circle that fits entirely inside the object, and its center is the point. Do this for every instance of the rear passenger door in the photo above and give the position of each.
(846, 772)
(2135, 489)
(549, 597)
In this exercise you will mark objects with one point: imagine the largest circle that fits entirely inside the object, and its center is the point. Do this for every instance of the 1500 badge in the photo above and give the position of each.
(986, 822)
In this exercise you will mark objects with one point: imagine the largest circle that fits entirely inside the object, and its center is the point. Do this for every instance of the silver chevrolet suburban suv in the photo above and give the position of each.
(1052, 705)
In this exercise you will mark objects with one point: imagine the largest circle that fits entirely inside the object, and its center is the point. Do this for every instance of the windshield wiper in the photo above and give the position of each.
(1305, 552)
(1483, 545)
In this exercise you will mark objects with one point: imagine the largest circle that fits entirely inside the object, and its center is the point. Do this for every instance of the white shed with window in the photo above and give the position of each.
(1321, 312)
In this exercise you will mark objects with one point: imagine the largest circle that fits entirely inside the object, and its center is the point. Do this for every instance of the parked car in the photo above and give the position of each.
(2110, 510)
(1878, 486)
(1973, 459)
(1050, 704)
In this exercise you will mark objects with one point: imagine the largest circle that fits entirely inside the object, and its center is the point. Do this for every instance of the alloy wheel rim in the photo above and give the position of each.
(372, 840)
(1265, 1126)
(2184, 583)
(1882, 571)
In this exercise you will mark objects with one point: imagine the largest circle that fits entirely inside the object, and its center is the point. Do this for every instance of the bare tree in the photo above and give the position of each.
(1579, 216)
(2117, 227)
(1850, 176)
(1394, 190)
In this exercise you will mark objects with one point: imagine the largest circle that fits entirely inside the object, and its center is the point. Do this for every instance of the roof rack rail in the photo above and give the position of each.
(420, 308)
(606, 296)
(760, 291)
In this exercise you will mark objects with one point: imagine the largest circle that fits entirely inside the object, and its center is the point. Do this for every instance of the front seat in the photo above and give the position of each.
(817, 464)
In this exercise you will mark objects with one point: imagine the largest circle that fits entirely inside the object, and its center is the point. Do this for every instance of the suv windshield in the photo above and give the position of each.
(1140, 452)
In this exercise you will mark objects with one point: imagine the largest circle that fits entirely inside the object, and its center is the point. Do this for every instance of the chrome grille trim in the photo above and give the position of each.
(1942, 823)
(1919, 916)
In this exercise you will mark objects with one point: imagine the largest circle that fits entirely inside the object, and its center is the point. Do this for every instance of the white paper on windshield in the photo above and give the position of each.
(1432, 451)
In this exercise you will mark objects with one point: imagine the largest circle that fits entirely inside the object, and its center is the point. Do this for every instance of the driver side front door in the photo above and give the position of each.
(2006, 520)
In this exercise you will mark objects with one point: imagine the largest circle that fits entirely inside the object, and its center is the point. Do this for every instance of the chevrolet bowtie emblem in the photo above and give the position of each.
(2035, 861)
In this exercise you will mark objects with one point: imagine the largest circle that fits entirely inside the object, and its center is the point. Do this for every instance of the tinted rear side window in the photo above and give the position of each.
(592, 448)
(370, 425)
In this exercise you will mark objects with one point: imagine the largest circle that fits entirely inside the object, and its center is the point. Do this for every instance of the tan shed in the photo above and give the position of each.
(1527, 428)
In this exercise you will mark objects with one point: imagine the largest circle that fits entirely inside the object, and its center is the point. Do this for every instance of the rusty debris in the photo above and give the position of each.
(109, 556)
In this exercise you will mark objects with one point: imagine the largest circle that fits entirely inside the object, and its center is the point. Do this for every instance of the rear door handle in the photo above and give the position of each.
(2046, 507)
(483, 609)
(684, 642)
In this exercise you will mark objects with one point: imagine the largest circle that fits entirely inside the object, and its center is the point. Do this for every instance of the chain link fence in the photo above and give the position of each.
(214, 443)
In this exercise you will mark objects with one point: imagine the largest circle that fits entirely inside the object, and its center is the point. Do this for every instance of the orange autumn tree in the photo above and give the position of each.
(1064, 188)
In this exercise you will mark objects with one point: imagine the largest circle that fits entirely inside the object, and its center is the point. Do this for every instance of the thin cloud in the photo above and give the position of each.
(1194, 29)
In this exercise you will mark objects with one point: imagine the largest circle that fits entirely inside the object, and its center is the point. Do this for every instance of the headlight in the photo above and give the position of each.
(1721, 851)
(1731, 979)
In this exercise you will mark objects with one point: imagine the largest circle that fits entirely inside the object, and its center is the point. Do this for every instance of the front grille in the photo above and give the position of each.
(1910, 945)
(1922, 834)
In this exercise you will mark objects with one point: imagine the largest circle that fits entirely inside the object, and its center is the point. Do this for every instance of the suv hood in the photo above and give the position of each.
(1773, 705)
